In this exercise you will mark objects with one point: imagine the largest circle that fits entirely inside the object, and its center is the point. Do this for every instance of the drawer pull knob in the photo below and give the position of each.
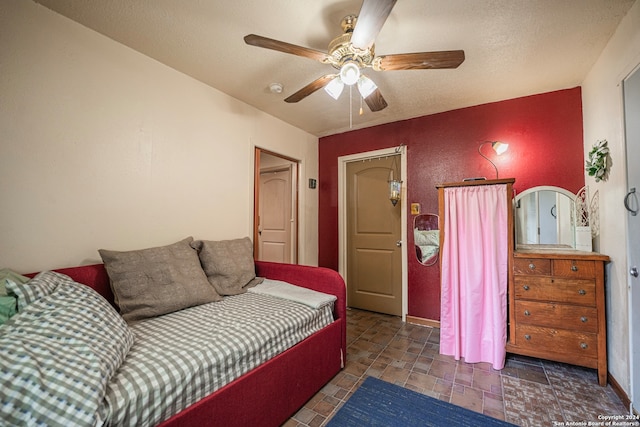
(525, 287)
(584, 346)
(527, 313)
(532, 266)
(584, 319)
(582, 292)
(527, 337)
(574, 268)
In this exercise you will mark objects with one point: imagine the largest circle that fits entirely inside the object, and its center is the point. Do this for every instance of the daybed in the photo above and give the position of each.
(272, 392)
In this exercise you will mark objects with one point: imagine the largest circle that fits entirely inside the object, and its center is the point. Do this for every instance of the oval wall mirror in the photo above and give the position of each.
(426, 237)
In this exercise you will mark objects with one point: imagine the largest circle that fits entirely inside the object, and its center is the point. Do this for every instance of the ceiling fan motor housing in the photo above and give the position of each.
(354, 50)
(341, 51)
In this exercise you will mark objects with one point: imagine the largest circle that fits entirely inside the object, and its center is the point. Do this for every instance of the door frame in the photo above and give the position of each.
(256, 199)
(342, 212)
(292, 198)
(632, 287)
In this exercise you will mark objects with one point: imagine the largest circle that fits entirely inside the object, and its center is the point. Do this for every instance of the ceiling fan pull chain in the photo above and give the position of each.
(361, 110)
(351, 107)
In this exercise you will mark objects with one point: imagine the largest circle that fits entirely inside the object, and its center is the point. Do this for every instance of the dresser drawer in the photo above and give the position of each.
(557, 340)
(575, 318)
(532, 266)
(574, 268)
(574, 291)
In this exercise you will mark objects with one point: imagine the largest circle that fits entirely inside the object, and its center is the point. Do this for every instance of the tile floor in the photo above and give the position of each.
(527, 392)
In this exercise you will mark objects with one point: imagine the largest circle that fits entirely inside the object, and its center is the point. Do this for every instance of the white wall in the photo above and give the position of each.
(102, 147)
(604, 119)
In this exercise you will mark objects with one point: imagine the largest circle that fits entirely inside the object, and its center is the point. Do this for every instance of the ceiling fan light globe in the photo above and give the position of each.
(366, 86)
(349, 73)
(334, 88)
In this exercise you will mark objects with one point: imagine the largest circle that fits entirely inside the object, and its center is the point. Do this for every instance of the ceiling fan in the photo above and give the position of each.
(353, 51)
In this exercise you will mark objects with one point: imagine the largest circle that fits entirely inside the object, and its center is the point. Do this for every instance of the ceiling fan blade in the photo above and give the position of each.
(419, 61)
(267, 43)
(372, 17)
(376, 101)
(310, 88)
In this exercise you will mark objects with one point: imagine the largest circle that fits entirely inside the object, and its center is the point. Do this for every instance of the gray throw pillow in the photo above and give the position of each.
(228, 264)
(154, 281)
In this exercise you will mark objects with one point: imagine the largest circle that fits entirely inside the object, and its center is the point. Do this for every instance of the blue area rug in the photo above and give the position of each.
(379, 403)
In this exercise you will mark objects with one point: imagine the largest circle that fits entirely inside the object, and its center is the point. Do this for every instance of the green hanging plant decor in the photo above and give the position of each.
(597, 161)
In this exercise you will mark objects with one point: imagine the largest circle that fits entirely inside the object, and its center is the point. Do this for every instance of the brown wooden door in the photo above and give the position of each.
(374, 255)
(274, 232)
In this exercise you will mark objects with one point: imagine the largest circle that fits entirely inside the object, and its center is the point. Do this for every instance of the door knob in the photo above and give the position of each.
(634, 271)
(399, 243)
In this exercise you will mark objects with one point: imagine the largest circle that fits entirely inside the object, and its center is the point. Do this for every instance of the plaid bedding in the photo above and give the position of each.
(58, 353)
(179, 358)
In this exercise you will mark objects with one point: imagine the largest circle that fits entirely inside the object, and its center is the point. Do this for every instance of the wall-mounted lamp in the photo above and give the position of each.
(498, 147)
(395, 184)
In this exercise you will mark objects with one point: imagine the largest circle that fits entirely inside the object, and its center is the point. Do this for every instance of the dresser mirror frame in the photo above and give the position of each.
(545, 218)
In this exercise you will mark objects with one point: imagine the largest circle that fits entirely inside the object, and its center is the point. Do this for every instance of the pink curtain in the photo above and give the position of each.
(473, 323)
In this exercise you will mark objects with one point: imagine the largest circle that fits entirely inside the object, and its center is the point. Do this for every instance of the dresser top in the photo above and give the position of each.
(476, 182)
(556, 252)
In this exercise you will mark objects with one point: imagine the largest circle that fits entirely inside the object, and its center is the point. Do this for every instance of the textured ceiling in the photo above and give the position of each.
(513, 48)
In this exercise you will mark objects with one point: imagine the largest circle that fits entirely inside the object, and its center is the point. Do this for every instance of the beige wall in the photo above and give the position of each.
(604, 119)
(102, 147)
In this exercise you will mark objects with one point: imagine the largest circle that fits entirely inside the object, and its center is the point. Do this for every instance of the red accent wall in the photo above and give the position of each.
(545, 139)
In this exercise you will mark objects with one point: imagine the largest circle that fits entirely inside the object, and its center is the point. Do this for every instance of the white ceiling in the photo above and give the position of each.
(513, 48)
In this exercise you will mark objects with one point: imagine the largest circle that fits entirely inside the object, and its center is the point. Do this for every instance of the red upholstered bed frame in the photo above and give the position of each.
(274, 391)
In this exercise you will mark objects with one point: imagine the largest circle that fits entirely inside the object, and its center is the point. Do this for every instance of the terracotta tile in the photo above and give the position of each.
(291, 422)
(527, 392)
(493, 401)
(395, 375)
(487, 380)
(341, 394)
(533, 375)
(304, 416)
(324, 408)
(464, 368)
(443, 388)
(317, 421)
(356, 368)
(400, 344)
(493, 413)
(346, 381)
(467, 399)
(444, 370)
(376, 373)
(422, 381)
(332, 400)
(464, 378)
(330, 389)
(421, 334)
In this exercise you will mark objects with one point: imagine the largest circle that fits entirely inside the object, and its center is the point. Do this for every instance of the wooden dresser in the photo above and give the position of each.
(557, 307)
